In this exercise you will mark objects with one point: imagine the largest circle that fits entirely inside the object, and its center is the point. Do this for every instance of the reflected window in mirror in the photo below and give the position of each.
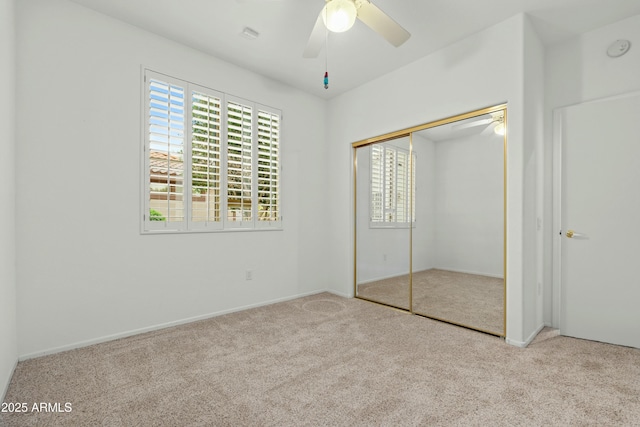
(392, 181)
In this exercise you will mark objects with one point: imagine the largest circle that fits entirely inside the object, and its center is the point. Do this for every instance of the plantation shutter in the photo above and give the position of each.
(210, 161)
(392, 179)
(377, 183)
(389, 185)
(239, 160)
(402, 186)
(268, 167)
(165, 152)
(412, 201)
(206, 202)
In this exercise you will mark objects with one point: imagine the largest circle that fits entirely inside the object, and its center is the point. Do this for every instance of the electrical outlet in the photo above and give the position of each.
(249, 275)
(384, 257)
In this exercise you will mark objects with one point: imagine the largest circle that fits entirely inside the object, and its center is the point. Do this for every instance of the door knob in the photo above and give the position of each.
(571, 234)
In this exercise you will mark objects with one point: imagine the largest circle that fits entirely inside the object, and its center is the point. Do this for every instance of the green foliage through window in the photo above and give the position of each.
(154, 215)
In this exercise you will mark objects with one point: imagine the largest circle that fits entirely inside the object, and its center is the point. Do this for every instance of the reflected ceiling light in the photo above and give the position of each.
(249, 33)
(339, 15)
(498, 119)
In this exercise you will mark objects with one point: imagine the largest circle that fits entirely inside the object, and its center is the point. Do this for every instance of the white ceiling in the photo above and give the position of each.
(358, 55)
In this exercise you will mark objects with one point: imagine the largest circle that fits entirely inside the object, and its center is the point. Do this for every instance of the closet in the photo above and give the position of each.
(429, 221)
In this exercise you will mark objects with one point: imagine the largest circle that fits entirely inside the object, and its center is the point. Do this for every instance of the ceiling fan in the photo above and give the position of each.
(340, 15)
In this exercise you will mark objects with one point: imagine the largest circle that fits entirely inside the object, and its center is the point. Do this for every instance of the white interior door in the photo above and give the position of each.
(600, 220)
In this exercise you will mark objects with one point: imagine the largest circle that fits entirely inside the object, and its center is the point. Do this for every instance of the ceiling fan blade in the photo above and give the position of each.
(382, 24)
(316, 39)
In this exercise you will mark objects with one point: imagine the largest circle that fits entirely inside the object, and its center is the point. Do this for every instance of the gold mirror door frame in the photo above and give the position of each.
(468, 153)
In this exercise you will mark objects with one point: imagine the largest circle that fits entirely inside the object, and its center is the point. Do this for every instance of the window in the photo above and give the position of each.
(391, 184)
(212, 162)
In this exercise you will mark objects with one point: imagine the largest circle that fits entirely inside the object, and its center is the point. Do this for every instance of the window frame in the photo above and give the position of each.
(222, 224)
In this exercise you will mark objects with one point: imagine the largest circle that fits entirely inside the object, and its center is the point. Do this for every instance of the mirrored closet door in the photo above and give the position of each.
(430, 219)
(383, 203)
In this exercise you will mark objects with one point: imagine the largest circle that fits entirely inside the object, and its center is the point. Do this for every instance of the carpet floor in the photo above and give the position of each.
(465, 299)
(324, 360)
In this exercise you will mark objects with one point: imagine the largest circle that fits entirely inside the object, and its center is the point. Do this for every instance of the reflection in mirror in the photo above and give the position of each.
(383, 218)
(458, 244)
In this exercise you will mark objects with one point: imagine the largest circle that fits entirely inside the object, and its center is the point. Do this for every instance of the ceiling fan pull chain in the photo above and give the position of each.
(326, 57)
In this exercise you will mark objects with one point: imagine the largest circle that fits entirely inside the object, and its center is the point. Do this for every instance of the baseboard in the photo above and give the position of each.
(5, 387)
(524, 344)
(476, 273)
(340, 294)
(133, 332)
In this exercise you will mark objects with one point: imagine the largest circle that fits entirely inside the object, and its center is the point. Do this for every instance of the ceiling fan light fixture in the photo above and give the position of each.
(339, 15)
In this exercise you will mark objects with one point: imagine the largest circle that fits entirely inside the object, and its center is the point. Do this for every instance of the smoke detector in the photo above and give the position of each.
(618, 48)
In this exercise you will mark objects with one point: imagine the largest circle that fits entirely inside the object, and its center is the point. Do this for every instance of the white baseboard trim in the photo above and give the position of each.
(524, 344)
(475, 273)
(5, 387)
(133, 332)
(340, 294)
(376, 279)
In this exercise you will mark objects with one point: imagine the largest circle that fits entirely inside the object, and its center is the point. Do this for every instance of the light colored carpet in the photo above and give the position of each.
(466, 299)
(391, 291)
(326, 360)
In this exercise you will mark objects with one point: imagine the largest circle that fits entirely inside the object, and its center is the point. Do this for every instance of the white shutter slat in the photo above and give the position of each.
(377, 182)
(401, 186)
(268, 169)
(239, 164)
(391, 181)
(412, 200)
(166, 116)
(206, 119)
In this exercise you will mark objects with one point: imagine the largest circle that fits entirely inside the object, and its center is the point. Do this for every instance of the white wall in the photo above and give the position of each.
(483, 70)
(424, 244)
(469, 214)
(576, 71)
(85, 271)
(533, 147)
(8, 346)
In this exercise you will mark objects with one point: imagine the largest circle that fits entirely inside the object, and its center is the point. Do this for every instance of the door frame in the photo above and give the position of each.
(556, 309)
